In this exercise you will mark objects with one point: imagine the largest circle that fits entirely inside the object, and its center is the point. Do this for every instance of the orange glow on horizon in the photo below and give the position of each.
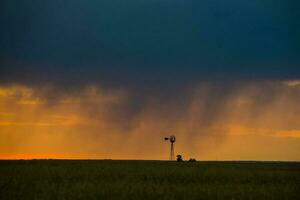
(83, 126)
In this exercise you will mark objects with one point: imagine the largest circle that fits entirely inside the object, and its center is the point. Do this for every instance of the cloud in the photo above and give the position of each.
(120, 70)
(146, 43)
(292, 83)
(101, 124)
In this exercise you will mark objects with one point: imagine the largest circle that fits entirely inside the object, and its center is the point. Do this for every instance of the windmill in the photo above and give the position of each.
(172, 139)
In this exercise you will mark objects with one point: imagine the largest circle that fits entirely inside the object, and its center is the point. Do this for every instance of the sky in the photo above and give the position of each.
(111, 78)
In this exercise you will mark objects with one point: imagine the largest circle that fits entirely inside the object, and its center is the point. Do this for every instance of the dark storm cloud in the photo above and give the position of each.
(133, 42)
(135, 70)
(154, 49)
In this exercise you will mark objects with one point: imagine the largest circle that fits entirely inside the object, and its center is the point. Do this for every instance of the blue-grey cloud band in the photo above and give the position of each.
(161, 50)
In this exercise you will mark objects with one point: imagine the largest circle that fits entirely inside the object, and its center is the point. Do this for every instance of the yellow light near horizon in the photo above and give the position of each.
(83, 126)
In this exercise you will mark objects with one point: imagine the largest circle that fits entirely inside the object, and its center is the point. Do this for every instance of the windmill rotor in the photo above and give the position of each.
(172, 138)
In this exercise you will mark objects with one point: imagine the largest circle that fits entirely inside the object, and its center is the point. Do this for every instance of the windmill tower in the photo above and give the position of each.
(172, 140)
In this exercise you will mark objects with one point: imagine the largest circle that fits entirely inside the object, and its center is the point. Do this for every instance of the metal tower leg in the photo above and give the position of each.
(172, 152)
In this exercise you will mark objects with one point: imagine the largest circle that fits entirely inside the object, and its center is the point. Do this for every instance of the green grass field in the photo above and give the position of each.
(108, 179)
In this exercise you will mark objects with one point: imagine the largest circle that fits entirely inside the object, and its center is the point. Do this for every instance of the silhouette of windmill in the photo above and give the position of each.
(172, 140)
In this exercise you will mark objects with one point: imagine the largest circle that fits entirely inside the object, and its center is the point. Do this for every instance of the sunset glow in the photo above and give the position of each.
(81, 125)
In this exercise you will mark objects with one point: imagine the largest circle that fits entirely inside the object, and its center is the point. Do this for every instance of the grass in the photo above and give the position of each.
(142, 180)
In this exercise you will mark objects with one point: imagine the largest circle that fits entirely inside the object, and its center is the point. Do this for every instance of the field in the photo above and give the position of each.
(109, 179)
